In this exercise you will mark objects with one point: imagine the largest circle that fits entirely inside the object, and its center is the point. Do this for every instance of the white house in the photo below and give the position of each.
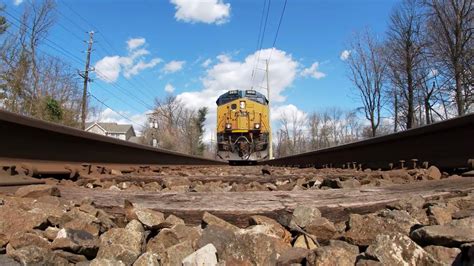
(114, 130)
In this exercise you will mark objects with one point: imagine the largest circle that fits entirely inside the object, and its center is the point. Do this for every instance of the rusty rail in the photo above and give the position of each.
(448, 145)
(26, 138)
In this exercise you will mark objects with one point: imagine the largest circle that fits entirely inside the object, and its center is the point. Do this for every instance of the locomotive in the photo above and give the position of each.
(243, 126)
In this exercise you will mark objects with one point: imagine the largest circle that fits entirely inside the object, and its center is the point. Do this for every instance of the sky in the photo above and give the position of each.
(197, 50)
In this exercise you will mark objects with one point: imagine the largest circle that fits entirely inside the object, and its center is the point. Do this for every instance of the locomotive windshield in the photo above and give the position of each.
(235, 94)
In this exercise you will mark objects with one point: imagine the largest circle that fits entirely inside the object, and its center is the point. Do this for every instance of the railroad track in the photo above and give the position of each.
(28, 139)
(448, 145)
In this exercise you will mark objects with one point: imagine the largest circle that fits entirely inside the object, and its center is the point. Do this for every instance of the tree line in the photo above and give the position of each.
(33, 83)
(419, 72)
(176, 127)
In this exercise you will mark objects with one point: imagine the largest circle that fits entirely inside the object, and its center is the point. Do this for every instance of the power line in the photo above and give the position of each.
(261, 40)
(125, 117)
(67, 54)
(278, 30)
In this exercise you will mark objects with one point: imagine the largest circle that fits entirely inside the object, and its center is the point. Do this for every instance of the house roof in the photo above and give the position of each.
(112, 127)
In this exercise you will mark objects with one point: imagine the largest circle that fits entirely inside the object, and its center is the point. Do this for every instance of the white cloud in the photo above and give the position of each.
(141, 65)
(288, 111)
(208, 11)
(169, 88)
(109, 68)
(345, 55)
(313, 72)
(173, 66)
(227, 74)
(17, 2)
(135, 43)
(207, 63)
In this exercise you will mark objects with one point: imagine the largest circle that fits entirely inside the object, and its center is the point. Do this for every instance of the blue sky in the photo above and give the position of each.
(197, 49)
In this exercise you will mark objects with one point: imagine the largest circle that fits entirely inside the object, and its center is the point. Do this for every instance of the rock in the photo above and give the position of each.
(304, 215)
(182, 181)
(205, 256)
(50, 233)
(76, 241)
(366, 262)
(303, 241)
(408, 204)
(363, 229)
(175, 254)
(24, 239)
(293, 256)
(34, 255)
(321, 228)
(398, 249)
(184, 233)
(136, 226)
(433, 173)
(463, 214)
(443, 254)
(276, 229)
(120, 244)
(161, 242)
(70, 257)
(438, 215)
(7, 261)
(106, 262)
(243, 247)
(3, 240)
(36, 191)
(149, 218)
(147, 259)
(210, 219)
(351, 183)
(105, 220)
(173, 220)
(336, 253)
(449, 235)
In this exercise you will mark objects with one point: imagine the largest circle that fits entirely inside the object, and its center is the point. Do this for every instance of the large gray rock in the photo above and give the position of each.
(23, 239)
(76, 241)
(121, 244)
(149, 218)
(304, 216)
(336, 253)
(7, 261)
(321, 228)
(184, 233)
(398, 249)
(433, 173)
(205, 256)
(453, 234)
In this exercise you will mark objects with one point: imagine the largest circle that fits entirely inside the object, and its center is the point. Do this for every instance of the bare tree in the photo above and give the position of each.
(451, 38)
(367, 71)
(405, 48)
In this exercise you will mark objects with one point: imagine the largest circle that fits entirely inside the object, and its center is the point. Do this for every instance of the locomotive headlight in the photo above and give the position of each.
(256, 125)
(228, 126)
(242, 105)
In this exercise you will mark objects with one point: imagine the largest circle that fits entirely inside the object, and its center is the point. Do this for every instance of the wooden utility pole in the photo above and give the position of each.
(270, 151)
(85, 76)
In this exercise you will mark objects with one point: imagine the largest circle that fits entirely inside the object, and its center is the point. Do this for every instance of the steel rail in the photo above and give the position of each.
(27, 138)
(448, 145)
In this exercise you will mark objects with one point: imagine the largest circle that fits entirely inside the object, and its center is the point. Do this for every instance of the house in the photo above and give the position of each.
(114, 130)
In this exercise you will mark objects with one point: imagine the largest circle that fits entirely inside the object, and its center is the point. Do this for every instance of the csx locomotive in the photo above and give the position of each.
(243, 126)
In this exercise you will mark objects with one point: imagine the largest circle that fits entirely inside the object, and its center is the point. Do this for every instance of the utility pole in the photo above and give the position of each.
(85, 76)
(270, 151)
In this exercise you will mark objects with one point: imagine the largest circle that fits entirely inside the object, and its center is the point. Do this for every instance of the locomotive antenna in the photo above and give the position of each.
(270, 150)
